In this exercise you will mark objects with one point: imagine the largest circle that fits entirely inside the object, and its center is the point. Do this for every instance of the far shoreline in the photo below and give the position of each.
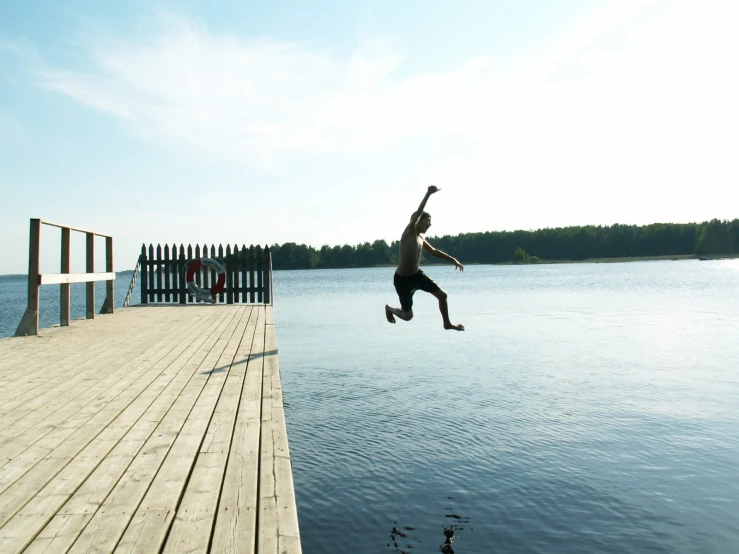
(623, 259)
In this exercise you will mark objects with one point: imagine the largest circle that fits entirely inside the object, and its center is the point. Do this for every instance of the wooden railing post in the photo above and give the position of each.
(167, 274)
(64, 288)
(180, 269)
(152, 274)
(260, 274)
(144, 275)
(109, 304)
(90, 269)
(267, 268)
(229, 276)
(29, 321)
(159, 274)
(271, 287)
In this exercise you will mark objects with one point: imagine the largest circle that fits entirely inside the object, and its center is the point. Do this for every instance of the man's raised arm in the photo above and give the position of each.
(417, 216)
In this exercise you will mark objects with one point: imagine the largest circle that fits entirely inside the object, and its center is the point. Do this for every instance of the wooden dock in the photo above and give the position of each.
(154, 429)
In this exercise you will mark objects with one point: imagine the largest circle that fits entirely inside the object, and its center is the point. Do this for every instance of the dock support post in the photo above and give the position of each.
(29, 321)
(90, 269)
(64, 288)
(108, 305)
(144, 275)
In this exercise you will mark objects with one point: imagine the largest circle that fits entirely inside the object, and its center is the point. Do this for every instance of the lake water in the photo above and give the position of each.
(587, 408)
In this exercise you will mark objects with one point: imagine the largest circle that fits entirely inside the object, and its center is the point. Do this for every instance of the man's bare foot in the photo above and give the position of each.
(389, 315)
(459, 327)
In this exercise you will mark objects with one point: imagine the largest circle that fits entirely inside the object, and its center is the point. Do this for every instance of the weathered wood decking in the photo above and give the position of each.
(155, 429)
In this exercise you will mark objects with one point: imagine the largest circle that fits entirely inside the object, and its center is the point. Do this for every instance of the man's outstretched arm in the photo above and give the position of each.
(419, 212)
(443, 255)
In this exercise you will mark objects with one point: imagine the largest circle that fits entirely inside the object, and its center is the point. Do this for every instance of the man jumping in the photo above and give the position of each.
(409, 278)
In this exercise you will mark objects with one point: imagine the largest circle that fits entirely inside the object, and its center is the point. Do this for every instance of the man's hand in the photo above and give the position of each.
(458, 265)
(433, 189)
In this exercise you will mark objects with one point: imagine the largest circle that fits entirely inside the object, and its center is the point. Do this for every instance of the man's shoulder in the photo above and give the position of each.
(410, 231)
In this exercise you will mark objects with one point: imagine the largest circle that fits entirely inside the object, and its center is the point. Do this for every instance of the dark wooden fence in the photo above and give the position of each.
(248, 273)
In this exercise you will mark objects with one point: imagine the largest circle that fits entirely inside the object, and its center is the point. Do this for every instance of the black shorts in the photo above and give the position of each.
(407, 285)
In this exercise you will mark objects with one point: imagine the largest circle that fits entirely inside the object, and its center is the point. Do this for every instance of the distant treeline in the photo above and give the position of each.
(710, 238)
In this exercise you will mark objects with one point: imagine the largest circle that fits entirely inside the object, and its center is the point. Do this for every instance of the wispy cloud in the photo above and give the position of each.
(632, 83)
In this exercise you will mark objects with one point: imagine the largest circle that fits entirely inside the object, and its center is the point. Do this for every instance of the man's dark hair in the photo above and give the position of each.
(424, 215)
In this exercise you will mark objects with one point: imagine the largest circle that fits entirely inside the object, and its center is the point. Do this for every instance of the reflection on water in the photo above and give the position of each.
(588, 408)
(405, 539)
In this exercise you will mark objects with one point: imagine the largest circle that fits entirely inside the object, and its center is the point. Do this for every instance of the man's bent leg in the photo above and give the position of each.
(402, 314)
(444, 309)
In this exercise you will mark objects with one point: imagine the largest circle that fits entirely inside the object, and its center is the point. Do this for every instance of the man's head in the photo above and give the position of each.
(424, 223)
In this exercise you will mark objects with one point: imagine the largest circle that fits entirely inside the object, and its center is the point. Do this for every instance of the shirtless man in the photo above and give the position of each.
(409, 278)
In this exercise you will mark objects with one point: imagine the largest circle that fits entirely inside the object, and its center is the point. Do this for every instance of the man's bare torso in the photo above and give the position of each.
(411, 244)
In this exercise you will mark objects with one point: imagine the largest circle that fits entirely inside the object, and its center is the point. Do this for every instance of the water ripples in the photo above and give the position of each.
(593, 413)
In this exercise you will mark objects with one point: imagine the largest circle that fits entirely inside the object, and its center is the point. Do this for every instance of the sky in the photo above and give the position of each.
(324, 121)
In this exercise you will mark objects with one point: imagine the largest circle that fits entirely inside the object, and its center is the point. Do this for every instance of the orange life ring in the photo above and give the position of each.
(206, 295)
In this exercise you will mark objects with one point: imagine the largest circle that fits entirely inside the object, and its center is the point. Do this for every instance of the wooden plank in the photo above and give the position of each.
(222, 295)
(189, 257)
(144, 275)
(198, 274)
(27, 357)
(152, 469)
(150, 392)
(235, 274)
(150, 264)
(74, 369)
(278, 518)
(15, 496)
(192, 526)
(113, 518)
(56, 341)
(259, 260)
(150, 525)
(51, 224)
(251, 263)
(63, 353)
(230, 273)
(243, 265)
(36, 391)
(182, 283)
(90, 286)
(235, 529)
(159, 273)
(83, 485)
(31, 392)
(106, 525)
(167, 272)
(53, 418)
(65, 278)
(267, 269)
(205, 270)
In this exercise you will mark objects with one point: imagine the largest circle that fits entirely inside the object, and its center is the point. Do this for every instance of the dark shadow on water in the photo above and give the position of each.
(244, 361)
(402, 541)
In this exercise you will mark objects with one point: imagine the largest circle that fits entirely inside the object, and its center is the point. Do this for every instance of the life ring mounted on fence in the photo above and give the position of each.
(205, 295)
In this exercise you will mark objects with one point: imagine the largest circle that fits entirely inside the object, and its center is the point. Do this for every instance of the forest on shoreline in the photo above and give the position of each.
(711, 239)
(658, 240)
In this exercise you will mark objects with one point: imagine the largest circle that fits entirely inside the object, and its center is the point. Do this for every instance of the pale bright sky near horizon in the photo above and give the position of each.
(324, 121)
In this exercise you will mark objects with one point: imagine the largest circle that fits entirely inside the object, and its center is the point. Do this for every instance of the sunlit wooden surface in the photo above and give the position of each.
(157, 428)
